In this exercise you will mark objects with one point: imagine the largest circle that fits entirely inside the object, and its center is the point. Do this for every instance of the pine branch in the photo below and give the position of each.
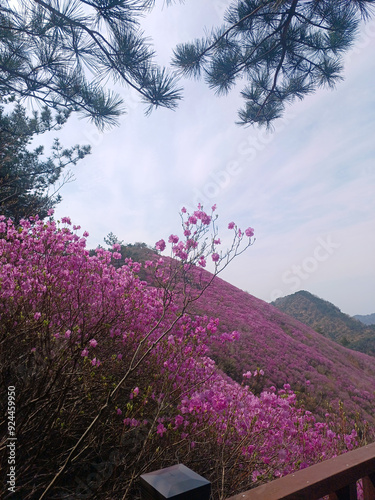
(296, 43)
(61, 40)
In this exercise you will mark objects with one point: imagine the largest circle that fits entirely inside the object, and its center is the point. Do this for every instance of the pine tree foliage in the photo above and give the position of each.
(30, 181)
(111, 239)
(63, 53)
(284, 49)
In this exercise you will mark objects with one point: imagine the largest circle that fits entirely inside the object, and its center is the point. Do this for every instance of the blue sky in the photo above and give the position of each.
(307, 188)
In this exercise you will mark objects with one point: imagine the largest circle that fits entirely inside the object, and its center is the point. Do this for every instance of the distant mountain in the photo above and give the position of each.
(328, 320)
(367, 319)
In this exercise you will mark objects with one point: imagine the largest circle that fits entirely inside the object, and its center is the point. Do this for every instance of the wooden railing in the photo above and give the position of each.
(335, 478)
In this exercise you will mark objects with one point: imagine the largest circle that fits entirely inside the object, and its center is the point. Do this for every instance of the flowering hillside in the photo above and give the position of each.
(289, 352)
(105, 377)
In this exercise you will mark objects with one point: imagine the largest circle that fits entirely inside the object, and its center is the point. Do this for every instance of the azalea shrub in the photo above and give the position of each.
(113, 376)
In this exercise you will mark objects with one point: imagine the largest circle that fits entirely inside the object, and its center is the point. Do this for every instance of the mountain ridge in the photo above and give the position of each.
(328, 320)
(367, 319)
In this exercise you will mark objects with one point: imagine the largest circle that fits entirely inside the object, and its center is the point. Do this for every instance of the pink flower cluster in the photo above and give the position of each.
(195, 226)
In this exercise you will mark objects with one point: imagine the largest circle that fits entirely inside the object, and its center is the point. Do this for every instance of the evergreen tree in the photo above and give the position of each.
(62, 53)
(285, 49)
(111, 239)
(29, 181)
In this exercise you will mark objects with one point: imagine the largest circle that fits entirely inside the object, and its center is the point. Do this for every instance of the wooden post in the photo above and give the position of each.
(369, 487)
(174, 483)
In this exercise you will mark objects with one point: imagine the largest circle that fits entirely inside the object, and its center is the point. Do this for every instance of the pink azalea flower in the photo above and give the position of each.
(160, 245)
(231, 225)
(37, 315)
(93, 343)
(215, 257)
(206, 219)
(161, 429)
(85, 353)
(179, 420)
(173, 238)
(235, 335)
(249, 232)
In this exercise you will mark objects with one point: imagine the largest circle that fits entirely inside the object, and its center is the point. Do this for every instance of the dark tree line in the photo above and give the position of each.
(30, 181)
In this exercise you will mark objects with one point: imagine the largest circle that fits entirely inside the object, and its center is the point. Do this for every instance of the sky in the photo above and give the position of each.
(307, 188)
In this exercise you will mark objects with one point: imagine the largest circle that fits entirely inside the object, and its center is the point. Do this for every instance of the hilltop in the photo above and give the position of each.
(367, 319)
(328, 320)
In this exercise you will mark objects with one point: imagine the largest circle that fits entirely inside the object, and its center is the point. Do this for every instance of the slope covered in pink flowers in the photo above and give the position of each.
(289, 352)
(114, 373)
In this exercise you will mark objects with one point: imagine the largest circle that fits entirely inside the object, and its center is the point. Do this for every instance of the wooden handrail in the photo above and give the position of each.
(336, 477)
